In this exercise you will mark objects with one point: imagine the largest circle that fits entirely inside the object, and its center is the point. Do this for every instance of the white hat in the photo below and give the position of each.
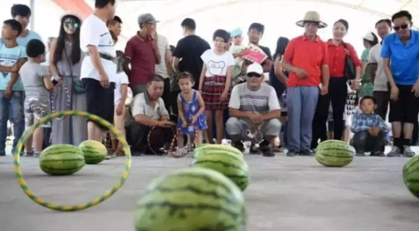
(312, 16)
(255, 68)
(369, 36)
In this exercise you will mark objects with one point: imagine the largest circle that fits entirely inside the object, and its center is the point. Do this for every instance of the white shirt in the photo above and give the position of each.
(141, 106)
(380, 81)
(163, 45)
(217, 65)
(261, 101)
(95, 33)
(121, 78)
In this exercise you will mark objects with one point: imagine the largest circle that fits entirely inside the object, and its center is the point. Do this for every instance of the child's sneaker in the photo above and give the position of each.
(29, 153)
(36, 155)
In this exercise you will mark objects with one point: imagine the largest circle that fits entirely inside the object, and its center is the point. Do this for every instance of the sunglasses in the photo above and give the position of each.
(403, 27)
(71, 24)
(254, 75)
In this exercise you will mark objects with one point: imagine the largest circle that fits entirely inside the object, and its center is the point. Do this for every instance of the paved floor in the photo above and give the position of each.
(284, 194)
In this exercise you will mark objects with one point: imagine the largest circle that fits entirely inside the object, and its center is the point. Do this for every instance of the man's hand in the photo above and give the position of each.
(301, 73)
(256, 118)
(224, 96)
(165, 124)
(104, 81)
(120, 109)
(394, 95)
(415, 89)
(184, 124)
(355, 85)
(165, 117)
(325, 90)
(154, 39)
(374, 131)
(8, 93)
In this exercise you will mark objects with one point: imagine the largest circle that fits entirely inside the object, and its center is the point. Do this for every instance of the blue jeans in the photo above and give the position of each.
(12, 110)
(302, 102)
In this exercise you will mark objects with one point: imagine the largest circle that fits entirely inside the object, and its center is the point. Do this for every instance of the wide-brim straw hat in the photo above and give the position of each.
(312, 16)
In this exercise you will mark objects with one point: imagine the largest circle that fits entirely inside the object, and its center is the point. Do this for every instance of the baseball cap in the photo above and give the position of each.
(255, 68)
(235, 32)
(369, 36)
(146, 18)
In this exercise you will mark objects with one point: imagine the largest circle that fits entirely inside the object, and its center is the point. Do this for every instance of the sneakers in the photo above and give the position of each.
(2, 153)
(255, 151)
(378, 154)
(408, 152)
(291, 154)
(360, 154)
(239, 145)
(29, 153)
(265, 148)
(36, 155)
(395, 152)
(306, 153)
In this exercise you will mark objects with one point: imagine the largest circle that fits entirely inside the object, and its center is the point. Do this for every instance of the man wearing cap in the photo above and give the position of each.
(142, 52)
(254, 112)
(401, 64)
(306, 58)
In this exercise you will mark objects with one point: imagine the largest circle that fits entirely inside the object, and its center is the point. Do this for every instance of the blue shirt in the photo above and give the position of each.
(23, 41)
(404, 58)
(8, 58)
(362, 122)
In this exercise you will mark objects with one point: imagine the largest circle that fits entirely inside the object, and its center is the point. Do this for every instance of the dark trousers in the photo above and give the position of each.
(173, 106)
(364, 142)
(137, 137)
(338, 92)
(382, 98)
(166, 94)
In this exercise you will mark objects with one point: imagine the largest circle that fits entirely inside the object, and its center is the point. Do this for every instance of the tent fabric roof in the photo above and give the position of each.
(382, 8)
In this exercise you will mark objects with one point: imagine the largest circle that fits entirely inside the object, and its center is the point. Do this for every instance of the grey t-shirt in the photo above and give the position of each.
(32, 75)
(262, 101)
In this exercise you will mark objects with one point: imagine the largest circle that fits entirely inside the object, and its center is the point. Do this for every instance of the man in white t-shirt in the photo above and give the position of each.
(254, 112)
(98, 69)
(381, 91)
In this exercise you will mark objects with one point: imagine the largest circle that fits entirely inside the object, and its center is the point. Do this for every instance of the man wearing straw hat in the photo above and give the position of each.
(306, 58)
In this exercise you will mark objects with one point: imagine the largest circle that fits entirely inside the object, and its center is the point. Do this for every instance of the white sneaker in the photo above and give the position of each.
(408, 152)
(395, 152)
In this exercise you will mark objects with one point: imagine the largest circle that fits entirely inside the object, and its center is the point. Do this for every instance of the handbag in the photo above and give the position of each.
(78, 85)
(350, 73)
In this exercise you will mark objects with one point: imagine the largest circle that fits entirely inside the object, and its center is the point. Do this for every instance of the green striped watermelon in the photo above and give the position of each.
(94, 151)
(334, 153)
(61, 159)
(219, 148)
(411, 175)
(191, 200)
(231, 165)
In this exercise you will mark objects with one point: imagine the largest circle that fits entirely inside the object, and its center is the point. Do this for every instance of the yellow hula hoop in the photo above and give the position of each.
(96, 201)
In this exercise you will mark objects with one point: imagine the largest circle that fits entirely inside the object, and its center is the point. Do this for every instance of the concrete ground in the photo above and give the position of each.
(284, 194)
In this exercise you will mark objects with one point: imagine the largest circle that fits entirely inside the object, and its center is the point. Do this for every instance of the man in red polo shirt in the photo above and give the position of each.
(142, 52)
(306, 58)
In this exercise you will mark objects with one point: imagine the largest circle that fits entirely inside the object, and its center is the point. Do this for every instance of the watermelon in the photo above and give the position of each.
(191, 200)
(94, 151)
(411, 175)
(61, 159)
(334, 153)
(231, 165)
(218, 148)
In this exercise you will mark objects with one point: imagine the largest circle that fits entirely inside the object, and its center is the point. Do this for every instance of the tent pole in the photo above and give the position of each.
(32, 6)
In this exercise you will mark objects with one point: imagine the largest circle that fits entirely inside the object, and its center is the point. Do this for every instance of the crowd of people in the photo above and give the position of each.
(192, 90)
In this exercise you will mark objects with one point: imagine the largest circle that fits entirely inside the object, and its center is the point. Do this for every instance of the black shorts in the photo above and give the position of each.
(406, 108)
(100, 101)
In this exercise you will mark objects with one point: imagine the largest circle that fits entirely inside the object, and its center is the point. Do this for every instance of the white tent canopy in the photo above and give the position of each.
(278, 16)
